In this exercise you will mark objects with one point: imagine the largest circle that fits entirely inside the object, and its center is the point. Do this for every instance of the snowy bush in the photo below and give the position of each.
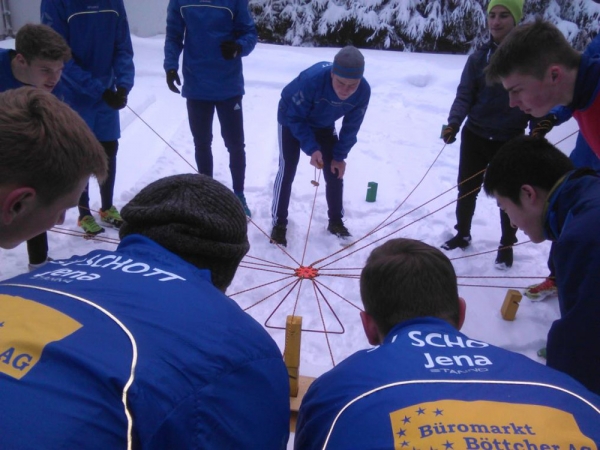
(447, 26)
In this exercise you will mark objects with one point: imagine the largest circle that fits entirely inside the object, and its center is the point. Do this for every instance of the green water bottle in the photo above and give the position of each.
(371, 191)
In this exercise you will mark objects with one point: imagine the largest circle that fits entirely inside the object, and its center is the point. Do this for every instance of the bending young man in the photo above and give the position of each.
(47, 155)
(537, 186)
(38, 60)
(308, 110)
(540, 70)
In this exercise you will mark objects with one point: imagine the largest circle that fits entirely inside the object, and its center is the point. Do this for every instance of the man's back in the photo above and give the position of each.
(429, 386)
(137, 338)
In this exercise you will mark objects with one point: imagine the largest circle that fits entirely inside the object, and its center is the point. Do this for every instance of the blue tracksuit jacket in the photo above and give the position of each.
(98, 33)
(7, 79)
(571, 218)
(586, 96)
(485, 107)
(309, 102)
(429, 386)
(135, 344)
(198, 27)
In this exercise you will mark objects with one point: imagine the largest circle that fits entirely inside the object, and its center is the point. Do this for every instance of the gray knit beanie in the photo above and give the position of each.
(349, 63)
(195, 217)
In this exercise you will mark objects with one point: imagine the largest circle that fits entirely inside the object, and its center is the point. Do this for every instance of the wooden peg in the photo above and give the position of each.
(291, 353)
(511, 304)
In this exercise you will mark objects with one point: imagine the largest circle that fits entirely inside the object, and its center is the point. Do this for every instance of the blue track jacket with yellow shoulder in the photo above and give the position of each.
(135, 346)
(429, 386)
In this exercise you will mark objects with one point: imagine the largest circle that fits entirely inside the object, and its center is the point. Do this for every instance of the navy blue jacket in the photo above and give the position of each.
(98, 33)
(571, 220)
(198, 28)
(430, 387)
(7, 79)
(485, 107)
(138, 346)
(309, 102)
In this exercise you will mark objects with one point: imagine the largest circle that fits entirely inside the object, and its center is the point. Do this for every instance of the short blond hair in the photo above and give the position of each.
(45, 145)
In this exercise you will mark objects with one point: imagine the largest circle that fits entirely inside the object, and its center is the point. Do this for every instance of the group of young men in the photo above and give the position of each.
(141, 348)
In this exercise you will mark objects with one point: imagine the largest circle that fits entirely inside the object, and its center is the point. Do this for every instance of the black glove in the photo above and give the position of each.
(114, 99)
(122, 94)
(544, 126)
(230, 49)
(449, 133)
(172, 78)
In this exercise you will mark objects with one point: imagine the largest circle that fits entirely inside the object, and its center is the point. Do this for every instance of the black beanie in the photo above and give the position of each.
(195, 217)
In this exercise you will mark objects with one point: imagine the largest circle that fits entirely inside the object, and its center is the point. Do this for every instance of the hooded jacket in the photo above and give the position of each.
(571, 218)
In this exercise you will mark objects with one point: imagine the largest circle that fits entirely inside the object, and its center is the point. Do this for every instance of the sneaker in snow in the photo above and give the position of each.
(111, 217)
(338, 228)
(458, 241)
(278, 235)
(90, 226)
(242, 199)
(504, 258)
(540, 291)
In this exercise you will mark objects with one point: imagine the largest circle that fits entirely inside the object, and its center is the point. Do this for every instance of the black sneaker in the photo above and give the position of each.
(457, 241)
(504, 259)
(278, 235)
(338, 228)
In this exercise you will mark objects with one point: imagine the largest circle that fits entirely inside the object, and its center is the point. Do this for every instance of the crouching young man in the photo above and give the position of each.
(47, 155)
(545, 197)
(426, 385)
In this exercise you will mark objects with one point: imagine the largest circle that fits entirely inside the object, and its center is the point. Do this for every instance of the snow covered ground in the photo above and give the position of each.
(398, 147)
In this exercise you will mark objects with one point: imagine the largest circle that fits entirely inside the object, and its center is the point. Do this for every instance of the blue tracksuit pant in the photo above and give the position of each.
(289, 155)
(229, 112)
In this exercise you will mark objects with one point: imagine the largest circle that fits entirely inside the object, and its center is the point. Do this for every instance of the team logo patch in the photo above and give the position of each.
(26, 327)
(485, 425)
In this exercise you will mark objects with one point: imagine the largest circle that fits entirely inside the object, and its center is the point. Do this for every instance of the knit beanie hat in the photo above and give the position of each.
(195, 217)
(514, 6)
(349, 63)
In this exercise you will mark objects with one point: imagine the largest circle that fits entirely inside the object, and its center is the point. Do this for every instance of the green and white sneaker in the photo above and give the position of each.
(242, 199)
(90, 226)
(111, 217)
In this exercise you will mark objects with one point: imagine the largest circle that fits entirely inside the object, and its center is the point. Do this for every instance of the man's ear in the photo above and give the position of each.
(528, 194)
(370, 327)
(462, 312)
(16, 202)
(20, 59)
(555, 73)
